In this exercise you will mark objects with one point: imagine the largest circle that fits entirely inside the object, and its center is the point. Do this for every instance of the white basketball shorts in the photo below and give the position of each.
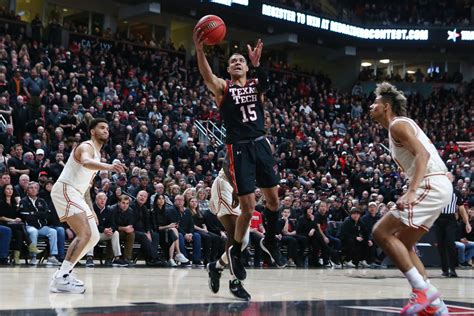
(433, 194)
(221, 198)
(68, 201)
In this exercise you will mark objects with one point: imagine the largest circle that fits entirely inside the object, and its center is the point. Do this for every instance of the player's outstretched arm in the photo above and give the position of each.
(254, 56)
(467, 146)
(85, 155)
(213, 83)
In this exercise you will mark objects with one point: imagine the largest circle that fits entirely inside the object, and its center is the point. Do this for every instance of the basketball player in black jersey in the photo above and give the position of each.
(251, 158)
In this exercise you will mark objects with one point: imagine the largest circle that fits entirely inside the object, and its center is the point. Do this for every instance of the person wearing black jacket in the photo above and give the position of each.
(9, 216)
(296, 244)
(16, 165)
(144, 234)
(337, 213)
(22, 185)
(369, 220)
(178, 214)
(108, 231)
(355, 239)
(124, 219)
(169, 236)
(330, 246)
(53, 219)
(212, 243)
(35, 212)
(307, 227)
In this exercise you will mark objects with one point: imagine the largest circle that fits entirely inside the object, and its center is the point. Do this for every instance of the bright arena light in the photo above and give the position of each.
(366, 64)
(384, 61)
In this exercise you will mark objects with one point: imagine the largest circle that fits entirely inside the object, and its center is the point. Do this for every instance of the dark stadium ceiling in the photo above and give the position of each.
(132, 2)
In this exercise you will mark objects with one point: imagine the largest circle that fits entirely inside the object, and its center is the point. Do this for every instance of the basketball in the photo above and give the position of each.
(213, 28)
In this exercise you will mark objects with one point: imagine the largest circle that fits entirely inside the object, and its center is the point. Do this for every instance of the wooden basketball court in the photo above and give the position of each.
(184, 291)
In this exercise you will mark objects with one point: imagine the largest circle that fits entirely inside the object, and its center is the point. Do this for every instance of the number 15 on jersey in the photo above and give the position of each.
(248, 112)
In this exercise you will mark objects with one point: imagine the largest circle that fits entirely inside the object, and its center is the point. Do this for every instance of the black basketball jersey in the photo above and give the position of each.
(242, 111)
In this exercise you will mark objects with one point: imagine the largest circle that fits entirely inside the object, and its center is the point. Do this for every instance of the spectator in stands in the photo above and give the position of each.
(53, 218)
(5, 237)
(16, 84)
(169, 236)
(355, 240)
(326, 243)
(9, 216)
(212, 243)
(465, 243)
(203, 201)
(144, 233)
(34, 89)
(6, 110)
(22, 186)
(295, 244)
(3, 160)
(8, 139)
(257, 233)
(368, 220)
(34, 211)
(21, 116)
(307, 227)
(108, 232)
(57, 166)
(337, 212)
(187, 234)
(124, 219)
(16, 165)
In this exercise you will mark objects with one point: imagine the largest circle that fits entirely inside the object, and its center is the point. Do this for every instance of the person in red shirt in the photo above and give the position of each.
(257, 232)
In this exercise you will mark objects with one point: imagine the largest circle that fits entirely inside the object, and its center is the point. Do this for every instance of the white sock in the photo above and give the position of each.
(416, 279)
(432, 288)
(224, 258)
(65, 268)
(219, 265)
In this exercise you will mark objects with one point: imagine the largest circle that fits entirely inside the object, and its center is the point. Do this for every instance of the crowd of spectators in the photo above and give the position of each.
(368, 74)
(407, 12)
(337, 177)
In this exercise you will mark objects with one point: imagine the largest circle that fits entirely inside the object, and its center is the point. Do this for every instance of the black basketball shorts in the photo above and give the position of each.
(252, 164)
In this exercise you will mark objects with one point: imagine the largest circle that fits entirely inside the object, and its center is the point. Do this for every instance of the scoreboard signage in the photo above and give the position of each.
(346, 29)
(432, 34)
(462, 35)
(231, 2)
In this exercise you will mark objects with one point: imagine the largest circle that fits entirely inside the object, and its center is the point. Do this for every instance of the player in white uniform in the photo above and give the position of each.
(71, 198)
(429, 191)
(225, 204)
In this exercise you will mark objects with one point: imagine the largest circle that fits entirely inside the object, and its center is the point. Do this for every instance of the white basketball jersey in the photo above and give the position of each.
(406, 160)
(76, 175)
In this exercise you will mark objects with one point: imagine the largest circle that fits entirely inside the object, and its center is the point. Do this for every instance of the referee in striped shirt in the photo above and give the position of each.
(445, 229)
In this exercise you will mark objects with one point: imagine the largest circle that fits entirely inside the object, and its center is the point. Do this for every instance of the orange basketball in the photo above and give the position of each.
(213, 29)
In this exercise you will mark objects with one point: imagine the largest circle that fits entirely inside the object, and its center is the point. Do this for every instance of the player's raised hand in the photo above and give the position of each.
(255, 53)
(467, 146)
(198, 39)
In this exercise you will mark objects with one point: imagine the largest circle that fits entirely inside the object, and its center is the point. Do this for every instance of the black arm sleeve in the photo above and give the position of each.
(262, 76)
